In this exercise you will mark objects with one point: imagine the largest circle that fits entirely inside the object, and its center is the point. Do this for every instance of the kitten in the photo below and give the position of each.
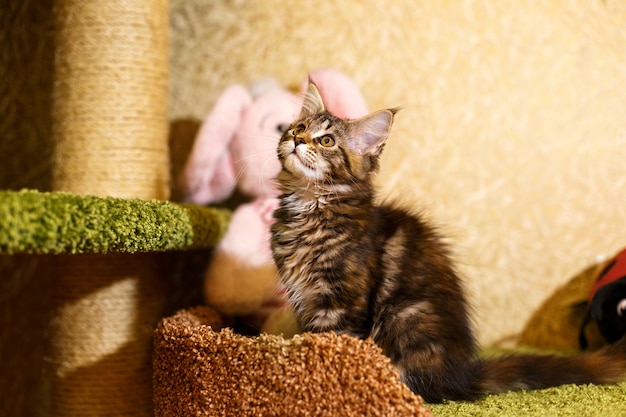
(367, 270)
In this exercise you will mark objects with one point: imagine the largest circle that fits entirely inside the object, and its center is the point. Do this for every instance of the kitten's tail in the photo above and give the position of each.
(500, 374)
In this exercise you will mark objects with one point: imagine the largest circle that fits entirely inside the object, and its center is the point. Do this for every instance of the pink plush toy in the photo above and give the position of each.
(236, 147)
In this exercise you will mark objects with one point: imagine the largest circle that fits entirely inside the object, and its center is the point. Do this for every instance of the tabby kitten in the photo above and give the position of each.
(355, 267)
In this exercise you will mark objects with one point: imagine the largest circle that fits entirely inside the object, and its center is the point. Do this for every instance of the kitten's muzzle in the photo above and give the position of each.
(299, 135)
(301, 139)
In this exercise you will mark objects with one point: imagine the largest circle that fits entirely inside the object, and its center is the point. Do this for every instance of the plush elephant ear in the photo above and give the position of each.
(209, 174)
(340, 93)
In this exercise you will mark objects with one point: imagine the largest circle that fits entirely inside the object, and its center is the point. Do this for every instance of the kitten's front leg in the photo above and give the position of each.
(325, 320)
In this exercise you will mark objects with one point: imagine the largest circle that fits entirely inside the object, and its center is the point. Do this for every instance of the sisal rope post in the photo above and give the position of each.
(110, 134)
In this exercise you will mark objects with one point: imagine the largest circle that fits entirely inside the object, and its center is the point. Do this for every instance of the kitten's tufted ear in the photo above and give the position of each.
(313, 103)
(369, 133)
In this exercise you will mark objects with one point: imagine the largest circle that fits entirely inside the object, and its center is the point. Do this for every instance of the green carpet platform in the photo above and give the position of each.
(65, 223)
(567, 401)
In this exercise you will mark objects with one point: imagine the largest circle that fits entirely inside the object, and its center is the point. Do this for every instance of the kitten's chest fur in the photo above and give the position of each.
(312, 245)
(321, 248)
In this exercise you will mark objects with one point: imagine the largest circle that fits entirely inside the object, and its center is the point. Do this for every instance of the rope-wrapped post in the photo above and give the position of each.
(110, 133)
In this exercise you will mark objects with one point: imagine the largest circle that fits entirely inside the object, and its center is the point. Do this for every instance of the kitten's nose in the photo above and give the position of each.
(299, 140)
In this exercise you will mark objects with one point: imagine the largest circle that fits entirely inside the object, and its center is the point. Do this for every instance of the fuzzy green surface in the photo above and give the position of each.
(565, 401)
(57, 222)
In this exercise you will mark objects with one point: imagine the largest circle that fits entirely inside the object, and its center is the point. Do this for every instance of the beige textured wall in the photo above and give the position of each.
(512, 133)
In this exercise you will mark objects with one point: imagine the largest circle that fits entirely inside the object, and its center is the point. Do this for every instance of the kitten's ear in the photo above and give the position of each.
(313, 103)
(368, 134)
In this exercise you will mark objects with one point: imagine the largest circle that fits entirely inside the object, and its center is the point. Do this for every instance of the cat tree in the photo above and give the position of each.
(110, 132)
(82, 266)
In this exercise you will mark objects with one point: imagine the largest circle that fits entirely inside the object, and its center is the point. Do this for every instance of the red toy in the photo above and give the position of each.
(607, 301)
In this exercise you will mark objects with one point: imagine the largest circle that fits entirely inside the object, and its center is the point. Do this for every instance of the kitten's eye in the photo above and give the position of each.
(327, 141)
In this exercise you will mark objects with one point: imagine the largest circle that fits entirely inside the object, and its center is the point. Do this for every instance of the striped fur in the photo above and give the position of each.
(355, 267)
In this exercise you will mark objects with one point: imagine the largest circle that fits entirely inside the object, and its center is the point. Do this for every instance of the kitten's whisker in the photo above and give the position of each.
(250, 159)
(264, 167)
